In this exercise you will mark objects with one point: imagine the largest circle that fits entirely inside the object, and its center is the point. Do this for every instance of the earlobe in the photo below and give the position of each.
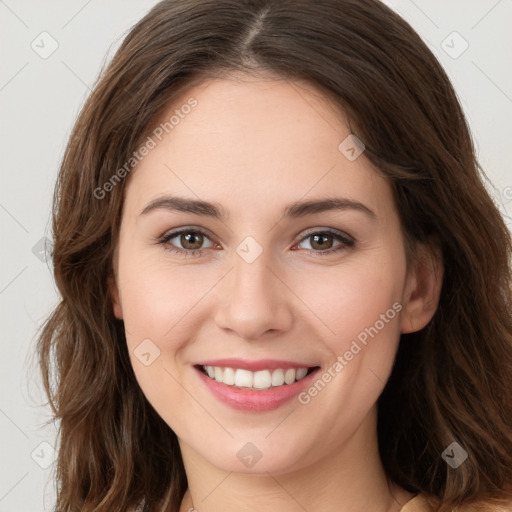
(114, 297)
(423, 289)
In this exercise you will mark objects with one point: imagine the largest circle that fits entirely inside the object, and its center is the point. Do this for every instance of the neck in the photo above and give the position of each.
(350, 478)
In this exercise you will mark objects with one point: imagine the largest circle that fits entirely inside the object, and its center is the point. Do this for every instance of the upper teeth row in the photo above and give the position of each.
(262, 379)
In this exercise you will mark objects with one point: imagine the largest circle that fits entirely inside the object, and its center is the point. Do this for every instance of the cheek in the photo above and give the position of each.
(157, 296)
(157, 301)
(361, 309)
(352, 297)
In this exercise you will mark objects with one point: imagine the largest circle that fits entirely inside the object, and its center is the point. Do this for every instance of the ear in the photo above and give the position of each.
(114, 296)
(422, 288)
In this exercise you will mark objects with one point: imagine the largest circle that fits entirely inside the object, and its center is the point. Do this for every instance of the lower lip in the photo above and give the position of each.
(255, 400)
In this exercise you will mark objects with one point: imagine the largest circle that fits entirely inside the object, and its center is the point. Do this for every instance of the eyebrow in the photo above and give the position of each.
(294, 210)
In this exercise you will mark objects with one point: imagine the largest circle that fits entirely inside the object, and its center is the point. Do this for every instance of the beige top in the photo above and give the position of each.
(420, 503)
(417, 504)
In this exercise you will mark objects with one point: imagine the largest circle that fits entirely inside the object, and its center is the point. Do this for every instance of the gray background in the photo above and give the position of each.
(40, 97)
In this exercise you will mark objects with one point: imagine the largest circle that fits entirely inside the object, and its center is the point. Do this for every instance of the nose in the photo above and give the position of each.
(254, 300)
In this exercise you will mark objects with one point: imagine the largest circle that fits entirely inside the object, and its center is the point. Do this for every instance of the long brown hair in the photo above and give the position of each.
(451, 380)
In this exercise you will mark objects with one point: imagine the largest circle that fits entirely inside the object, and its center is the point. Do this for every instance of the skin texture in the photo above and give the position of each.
(254, 146)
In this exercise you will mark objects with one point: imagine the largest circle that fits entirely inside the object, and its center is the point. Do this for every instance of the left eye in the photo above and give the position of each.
(322, 241)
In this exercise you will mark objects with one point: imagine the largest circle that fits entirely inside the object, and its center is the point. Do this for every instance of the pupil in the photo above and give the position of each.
(317, 237)
(189, 239)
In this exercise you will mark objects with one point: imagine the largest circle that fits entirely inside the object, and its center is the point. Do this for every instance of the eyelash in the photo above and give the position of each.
(347, 242)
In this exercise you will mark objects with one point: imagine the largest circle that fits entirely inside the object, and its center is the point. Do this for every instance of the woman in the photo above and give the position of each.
(283, 281)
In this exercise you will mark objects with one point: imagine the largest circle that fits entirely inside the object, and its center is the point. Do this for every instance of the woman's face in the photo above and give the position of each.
(279, 281)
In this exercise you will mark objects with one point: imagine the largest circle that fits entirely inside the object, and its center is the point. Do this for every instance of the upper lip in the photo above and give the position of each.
(256, 365)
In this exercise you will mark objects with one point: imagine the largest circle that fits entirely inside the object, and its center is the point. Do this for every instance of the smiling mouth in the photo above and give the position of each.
(259, 380)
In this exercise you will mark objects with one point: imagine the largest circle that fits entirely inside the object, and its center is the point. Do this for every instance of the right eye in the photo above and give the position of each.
(190, 240)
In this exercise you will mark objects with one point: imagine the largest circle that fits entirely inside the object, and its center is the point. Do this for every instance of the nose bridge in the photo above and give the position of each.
(252, 277)
(255, 299)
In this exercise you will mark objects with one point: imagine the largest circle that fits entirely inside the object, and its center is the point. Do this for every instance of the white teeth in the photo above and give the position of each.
(277, 377)
(229, 376)
(218, 374)
(263, 379)
(243, 378)
(301, 373)
(289, 376)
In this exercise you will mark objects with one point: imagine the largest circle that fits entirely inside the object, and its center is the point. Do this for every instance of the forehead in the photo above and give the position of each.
(248, 142)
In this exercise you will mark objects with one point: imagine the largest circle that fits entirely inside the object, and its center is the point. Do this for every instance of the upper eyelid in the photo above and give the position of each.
(178, 231)
(333, 231)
